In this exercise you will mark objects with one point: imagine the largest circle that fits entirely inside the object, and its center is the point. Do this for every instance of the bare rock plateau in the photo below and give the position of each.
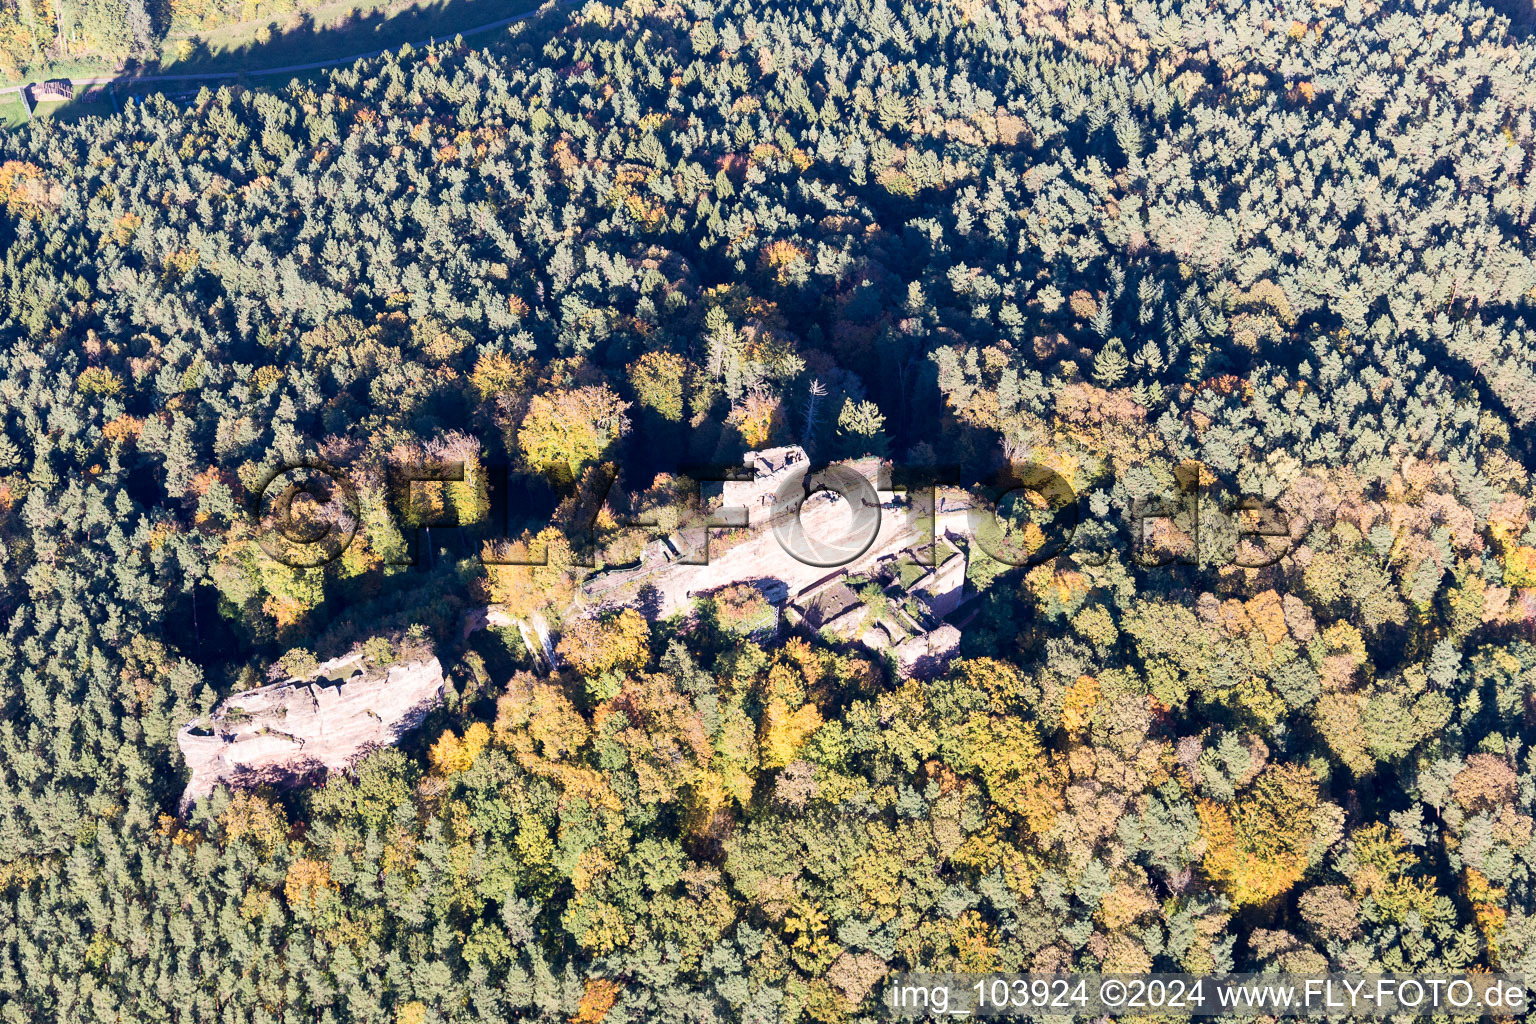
(289, 731)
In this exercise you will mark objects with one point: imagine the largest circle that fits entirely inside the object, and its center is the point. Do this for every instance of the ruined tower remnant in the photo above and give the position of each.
(281, 733)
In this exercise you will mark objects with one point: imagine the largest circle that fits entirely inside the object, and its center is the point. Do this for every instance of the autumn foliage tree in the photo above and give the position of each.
(658, 379)
(1257, 847)
(567, 429)
(598, 646)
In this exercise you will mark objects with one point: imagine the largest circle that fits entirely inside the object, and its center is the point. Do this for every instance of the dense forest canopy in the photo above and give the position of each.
(1179, 254)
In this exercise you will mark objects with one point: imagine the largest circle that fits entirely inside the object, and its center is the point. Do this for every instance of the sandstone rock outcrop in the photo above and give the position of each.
(928, 654)
(288, 731)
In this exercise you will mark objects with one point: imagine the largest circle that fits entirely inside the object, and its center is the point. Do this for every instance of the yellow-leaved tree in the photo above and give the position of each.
(1018, 771)
(451, 754)
(539, 577)
(256, 821)
(657, 378)
(597, 646)
(790, 715)
(567, 429)
(1256, 846)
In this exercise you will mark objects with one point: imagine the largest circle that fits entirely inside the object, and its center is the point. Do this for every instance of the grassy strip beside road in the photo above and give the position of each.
(332, 35)
(74, 67)
(12, 113)
(341, 32)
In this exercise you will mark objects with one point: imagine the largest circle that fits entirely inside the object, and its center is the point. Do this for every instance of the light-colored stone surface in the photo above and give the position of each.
(771, 468)
(824, 518)
(281, 732)
(942, 589)
(927, 654)
(764, 555)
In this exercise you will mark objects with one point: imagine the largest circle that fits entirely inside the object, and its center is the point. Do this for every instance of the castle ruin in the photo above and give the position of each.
(289, 731)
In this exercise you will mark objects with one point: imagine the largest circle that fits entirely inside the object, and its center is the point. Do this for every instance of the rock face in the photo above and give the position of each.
(286, 732)
(927, 654)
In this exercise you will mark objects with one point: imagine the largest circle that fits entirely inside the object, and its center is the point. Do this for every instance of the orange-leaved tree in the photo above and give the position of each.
(1256, 846)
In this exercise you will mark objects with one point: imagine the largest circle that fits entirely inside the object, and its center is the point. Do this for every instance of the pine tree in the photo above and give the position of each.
(1110, 365)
